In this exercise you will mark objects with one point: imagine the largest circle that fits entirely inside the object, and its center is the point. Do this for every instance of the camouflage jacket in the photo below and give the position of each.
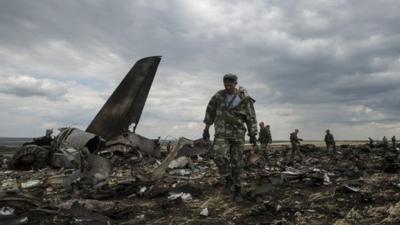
(265, 136)
(329, 139)
(229, 123)
(294, 139)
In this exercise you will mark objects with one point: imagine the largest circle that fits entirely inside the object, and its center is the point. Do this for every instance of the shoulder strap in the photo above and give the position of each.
(231, 101)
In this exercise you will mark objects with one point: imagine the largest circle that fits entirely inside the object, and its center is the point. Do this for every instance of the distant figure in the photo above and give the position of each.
(371, 142)
(295, 141)
(169, 146)
(49, 132)
(330, 142)
(264, 138)
(394, 142)
(385, 142)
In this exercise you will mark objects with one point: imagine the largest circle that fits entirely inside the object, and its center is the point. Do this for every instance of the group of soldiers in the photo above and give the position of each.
(229, 110)
(384, 143)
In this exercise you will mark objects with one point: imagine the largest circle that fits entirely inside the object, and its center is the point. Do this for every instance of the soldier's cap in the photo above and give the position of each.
(230, 77)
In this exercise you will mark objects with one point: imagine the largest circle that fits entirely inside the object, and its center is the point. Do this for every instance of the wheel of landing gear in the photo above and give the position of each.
(30, 157)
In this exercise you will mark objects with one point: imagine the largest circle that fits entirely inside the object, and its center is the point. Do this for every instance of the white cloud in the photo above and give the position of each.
(27, 86)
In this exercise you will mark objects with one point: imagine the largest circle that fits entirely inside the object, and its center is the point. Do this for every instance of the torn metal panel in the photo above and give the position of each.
(160, 170)
(199, 147)
(63, 181)
(95, 169)
(19, 201)
(130, 141)
(81, 215)
(125, 105)
(66, 158)
(77, 139)
(180, 162)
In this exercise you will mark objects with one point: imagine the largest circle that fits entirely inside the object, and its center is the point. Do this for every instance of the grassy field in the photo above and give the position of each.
(8, 145)
(7, 151)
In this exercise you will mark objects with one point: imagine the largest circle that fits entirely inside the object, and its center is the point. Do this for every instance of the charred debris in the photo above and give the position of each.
(108, 174)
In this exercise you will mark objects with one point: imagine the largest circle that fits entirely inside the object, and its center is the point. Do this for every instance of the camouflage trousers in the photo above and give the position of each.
(295, 151)
(263, 148)
(228, 156)
(331, 148)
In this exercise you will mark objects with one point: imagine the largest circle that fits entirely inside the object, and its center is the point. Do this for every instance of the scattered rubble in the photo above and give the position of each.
(183, 189)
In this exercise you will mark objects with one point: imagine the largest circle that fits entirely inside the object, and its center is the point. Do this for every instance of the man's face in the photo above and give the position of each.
(230, 86)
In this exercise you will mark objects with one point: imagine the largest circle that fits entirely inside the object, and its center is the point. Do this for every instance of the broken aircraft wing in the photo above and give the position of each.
(125, 105)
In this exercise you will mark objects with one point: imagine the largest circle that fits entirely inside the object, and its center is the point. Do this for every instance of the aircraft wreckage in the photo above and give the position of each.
(108, 174)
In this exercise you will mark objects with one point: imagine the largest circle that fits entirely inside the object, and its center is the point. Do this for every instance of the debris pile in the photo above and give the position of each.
(70, 183)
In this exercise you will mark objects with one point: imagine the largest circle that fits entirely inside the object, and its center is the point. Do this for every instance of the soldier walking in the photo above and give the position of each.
(371, 142)
(394, 142)
(229, 109)
(264, 138)
(385, 142)
(330, 143)
(295, 141)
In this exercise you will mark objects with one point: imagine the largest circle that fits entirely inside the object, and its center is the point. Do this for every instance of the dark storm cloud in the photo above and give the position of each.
(298, 55)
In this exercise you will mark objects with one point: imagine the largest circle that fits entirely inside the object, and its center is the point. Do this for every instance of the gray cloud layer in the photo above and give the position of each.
(309, 64)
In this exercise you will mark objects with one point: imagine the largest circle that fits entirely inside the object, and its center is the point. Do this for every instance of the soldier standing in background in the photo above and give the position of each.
(330, 142)
(169, 146)
(394, 142)
(371, 142)
(295, 141)
(269, 136)
(385, 142)
(264, 138)
(229, 109)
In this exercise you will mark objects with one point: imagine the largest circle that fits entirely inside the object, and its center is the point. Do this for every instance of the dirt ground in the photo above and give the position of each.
(358, 185)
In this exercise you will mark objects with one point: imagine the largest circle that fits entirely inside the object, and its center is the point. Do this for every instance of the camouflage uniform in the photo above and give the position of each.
(264, 139)
(230, 132)
(295, 141)
(371, 142)
(394, 141)
(330, 143)
(385, 142)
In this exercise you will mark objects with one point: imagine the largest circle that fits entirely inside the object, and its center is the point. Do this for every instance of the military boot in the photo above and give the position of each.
(237, 194)
(227, 185)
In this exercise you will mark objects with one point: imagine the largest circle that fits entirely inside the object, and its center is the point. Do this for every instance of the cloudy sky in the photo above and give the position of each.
(310, 64)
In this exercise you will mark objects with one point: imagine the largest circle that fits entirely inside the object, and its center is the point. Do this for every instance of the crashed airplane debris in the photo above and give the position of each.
(123, 108)
(125, 105)
(186, 190)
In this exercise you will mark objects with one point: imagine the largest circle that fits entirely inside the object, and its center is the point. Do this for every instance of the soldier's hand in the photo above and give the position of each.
(206, 134)
(253, 140)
